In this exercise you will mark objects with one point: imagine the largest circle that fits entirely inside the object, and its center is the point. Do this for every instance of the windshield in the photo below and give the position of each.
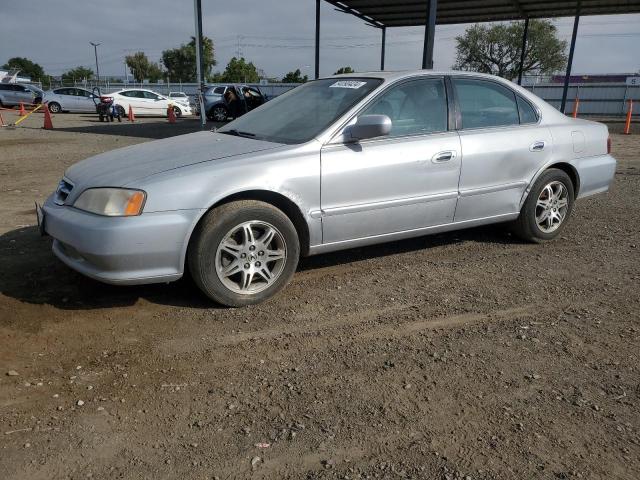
(302, 113)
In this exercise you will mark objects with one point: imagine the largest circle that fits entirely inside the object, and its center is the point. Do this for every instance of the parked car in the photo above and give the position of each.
(70, 99)
(13, 94)
(180, 97)
(397, 155)
(146, 102)
(219, 108)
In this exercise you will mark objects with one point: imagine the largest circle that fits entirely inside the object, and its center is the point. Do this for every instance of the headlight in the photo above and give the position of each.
(113, 202)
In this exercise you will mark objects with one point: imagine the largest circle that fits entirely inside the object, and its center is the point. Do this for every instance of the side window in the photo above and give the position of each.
(485, 103)
(150, 96)
(415, 107)
(218, 90)
(527, 113)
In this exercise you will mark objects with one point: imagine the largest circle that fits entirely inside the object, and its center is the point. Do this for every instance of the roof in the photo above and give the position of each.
(404, 13)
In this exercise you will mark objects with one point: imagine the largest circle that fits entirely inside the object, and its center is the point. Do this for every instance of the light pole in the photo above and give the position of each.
(95, 51)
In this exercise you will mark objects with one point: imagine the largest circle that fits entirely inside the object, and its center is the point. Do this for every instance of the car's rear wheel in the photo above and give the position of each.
(121, 111)
(547, 209)
(243, 252)
(54, 107)
(177, 112)
(218, 114)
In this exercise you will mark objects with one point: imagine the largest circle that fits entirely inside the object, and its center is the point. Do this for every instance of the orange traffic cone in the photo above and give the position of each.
(22, 111)
(2, 124)
(132, 117)
(627, 123)
(171, 115)
(48, 124)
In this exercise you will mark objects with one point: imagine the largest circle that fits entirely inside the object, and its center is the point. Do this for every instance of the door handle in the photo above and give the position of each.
(537, 146)
(442, 157)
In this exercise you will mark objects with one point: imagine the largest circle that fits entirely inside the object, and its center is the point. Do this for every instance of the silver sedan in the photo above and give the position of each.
(336, 163)
(70, 99)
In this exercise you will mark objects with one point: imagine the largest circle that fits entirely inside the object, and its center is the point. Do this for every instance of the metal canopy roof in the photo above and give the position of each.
(405, 13)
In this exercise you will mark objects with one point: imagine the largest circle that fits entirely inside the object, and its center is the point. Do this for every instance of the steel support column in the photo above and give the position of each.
(384, 40)
(197, 6)
(565, 88)
(523, 50)
(429, 32)
(317, 63)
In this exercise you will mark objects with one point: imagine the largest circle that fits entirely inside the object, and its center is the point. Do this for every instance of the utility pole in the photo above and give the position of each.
(95, 51)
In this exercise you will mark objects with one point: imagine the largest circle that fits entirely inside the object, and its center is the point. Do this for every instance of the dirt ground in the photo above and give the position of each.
(467, 355)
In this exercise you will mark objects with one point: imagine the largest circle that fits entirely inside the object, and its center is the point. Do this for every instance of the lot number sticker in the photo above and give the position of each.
(347, 84)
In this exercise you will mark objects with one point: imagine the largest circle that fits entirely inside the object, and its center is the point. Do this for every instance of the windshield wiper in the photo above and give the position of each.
(239, 133)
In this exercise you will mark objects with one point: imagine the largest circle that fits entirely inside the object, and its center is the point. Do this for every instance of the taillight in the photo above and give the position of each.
(608, 145)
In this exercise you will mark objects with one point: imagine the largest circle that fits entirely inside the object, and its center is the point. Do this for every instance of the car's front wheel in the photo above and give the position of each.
(243, 252)
(177, 112)
(54, 107)
(547, 209)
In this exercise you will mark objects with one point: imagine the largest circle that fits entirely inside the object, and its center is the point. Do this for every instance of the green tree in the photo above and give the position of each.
(181, 62)
(239, 70)
(27, 68)
(295, 77)
(344, 70)
(496, 49)
(141, 68)
(77, 74)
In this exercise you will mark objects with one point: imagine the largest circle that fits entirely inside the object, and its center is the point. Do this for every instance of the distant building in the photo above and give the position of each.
(598, 78)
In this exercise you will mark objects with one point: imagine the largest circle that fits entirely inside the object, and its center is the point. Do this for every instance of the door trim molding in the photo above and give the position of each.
(363, 207)
(492, 188)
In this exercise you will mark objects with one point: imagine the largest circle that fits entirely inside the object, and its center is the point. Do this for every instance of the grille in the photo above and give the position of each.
(63, 191)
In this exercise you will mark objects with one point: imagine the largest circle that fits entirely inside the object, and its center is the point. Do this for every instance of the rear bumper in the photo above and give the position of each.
(149, 248)
(595, 174)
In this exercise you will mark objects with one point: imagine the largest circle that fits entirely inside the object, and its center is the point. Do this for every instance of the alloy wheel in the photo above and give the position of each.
(552, 206)
(251, 257)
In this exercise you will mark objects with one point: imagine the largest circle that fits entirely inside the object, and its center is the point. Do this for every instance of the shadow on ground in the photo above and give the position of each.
(31, 273)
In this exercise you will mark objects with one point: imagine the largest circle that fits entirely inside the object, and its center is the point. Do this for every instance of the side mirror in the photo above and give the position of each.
(368, 126)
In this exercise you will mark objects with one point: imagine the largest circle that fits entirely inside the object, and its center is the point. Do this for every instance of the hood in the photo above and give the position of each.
(125, 165)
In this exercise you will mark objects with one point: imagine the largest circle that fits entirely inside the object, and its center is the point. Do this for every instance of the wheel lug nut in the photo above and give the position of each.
(243, 255)
(246, 265)
(252, 248)
(258, 264)
(260, 253)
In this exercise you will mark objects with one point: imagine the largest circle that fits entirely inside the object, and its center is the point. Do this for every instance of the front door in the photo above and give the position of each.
(502, 148)
(406, 180)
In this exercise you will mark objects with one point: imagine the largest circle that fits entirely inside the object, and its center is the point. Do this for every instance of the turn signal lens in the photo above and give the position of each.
(134, 205)
(112, 202)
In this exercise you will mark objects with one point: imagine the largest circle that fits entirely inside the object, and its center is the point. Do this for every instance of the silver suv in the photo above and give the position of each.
(13, 94)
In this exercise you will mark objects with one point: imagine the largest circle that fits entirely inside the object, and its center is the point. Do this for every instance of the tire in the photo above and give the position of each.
(542, 220)
(177, 112)
(218, 114)
(245, 282)
(54, 107)
(121, 111)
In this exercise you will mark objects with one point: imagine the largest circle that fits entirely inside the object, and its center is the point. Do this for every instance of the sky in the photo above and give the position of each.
(276, 35)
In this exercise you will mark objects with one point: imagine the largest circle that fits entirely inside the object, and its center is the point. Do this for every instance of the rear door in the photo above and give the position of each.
(503, 146)
(406, 180)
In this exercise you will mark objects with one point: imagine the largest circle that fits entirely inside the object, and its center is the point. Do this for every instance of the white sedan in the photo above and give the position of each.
(146, 102)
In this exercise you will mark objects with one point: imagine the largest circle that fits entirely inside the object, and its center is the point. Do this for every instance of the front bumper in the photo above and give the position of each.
(149, 248)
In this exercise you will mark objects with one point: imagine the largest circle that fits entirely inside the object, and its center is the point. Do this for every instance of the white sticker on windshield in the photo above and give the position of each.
(347, 84)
